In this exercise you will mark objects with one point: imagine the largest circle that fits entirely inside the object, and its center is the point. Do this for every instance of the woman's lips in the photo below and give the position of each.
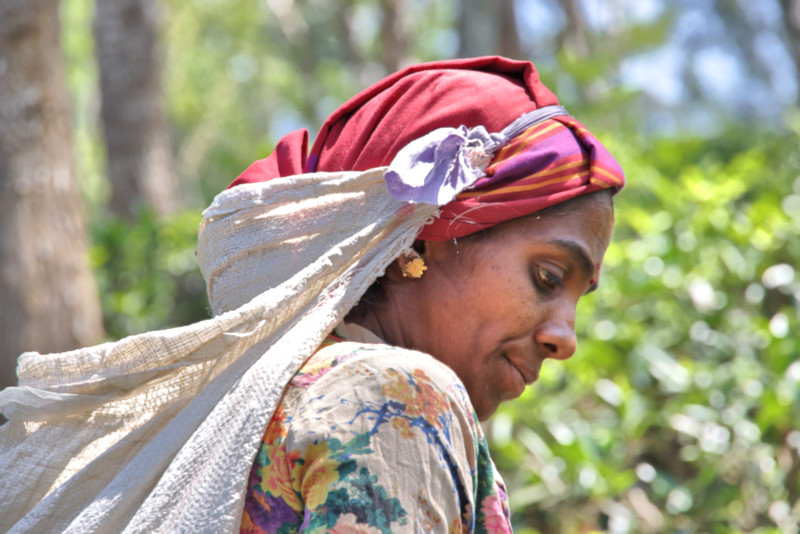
(528, 370)
(527, 373)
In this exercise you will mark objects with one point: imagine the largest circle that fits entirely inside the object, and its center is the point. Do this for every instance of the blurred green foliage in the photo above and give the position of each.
(147, 272)
(679, 412)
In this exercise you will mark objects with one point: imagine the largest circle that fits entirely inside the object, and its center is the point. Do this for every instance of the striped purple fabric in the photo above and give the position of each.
(547, 164)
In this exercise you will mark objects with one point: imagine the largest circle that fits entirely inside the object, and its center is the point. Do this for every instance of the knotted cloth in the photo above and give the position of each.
(550, 163)
(157, 432)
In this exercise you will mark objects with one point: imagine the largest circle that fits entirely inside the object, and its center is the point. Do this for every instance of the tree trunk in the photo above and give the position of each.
(48, 293)
(394, 39)
(488, 28)
(138, 155)
(791, 21)
(575, 35)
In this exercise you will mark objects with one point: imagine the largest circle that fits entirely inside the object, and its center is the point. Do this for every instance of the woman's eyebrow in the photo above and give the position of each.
(581, 256)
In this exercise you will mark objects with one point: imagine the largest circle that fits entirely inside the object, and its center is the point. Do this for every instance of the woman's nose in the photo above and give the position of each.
(556, 339)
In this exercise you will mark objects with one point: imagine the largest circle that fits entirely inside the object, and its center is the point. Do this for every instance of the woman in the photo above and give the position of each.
(486, 227)
(372, 437)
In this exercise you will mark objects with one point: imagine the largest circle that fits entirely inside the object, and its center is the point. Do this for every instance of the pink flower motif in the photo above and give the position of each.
(306, 380)
(495, 514)
(346, 524)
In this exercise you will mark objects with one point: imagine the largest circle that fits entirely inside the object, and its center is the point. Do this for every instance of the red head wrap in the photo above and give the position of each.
(547, 164)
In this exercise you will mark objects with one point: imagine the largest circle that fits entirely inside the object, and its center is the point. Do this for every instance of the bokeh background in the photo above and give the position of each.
(121, 119)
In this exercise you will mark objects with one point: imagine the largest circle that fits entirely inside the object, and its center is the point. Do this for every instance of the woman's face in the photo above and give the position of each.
(495, 307)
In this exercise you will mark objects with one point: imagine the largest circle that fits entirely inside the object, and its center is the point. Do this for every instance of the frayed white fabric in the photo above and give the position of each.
(158, 432)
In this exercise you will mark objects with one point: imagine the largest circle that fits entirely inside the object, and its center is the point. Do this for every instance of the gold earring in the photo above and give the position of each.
(415, 267)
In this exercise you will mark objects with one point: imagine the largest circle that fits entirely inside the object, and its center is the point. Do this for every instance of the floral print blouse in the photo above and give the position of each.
(374, 439)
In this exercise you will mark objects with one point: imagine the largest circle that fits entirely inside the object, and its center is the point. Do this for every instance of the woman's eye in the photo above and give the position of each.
(546, 280)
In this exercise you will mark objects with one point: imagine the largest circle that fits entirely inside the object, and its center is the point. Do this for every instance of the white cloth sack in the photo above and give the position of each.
(158, 432)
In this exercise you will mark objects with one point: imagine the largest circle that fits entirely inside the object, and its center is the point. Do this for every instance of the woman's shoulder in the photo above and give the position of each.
(383, 356)
(380, 430)
(366, 362)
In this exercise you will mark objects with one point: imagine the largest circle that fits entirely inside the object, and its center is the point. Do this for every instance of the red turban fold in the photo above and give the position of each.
(547, 164)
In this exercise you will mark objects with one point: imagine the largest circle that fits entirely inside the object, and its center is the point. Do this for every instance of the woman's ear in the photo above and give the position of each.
(420, 246)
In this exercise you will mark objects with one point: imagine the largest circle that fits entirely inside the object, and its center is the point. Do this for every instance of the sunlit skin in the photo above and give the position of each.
(494, 308)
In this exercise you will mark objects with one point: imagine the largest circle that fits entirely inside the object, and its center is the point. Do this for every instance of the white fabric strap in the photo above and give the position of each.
(158, 432)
